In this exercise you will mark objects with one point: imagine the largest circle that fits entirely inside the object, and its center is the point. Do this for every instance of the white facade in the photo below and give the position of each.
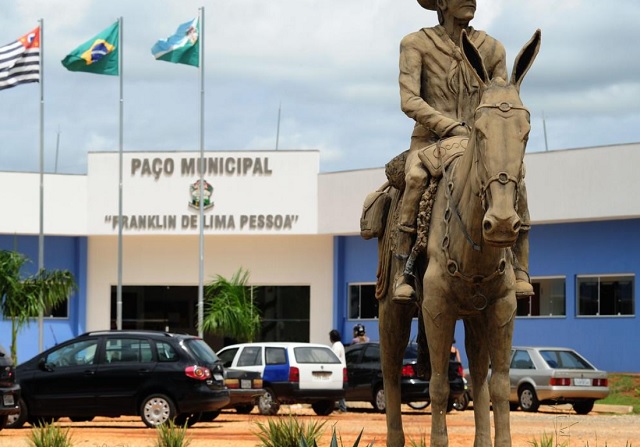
(598, 183)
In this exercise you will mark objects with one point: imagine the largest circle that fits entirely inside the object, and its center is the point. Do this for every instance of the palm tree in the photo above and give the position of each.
(24, 298)
(229, 309)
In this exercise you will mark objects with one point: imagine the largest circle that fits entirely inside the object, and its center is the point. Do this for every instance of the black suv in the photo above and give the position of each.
(9, 389)
(157, 375)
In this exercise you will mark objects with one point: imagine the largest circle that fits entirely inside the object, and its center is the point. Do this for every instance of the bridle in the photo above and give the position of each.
(502, 177)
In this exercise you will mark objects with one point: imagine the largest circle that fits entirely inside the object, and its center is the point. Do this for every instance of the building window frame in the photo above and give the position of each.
(362, 306)
(549, 301)
(594, 295)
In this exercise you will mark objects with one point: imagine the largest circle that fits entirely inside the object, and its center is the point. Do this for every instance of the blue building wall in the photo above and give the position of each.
(60, 253)
(590, 248)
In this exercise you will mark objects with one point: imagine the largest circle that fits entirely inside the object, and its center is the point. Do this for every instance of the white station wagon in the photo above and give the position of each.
(291, 373)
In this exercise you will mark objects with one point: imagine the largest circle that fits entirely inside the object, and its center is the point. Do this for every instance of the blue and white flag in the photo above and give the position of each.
(181, 48)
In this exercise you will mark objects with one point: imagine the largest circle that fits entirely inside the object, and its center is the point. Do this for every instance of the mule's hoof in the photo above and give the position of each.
(524, 289)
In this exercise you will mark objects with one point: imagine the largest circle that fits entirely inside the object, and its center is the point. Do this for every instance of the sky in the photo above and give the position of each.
(328, 68)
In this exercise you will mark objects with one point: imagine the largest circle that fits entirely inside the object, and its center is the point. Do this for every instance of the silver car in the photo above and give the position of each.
(545, 375)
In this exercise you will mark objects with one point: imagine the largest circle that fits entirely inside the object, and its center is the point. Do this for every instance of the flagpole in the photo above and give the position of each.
(201, 201)
(41, 232)
(120, 147)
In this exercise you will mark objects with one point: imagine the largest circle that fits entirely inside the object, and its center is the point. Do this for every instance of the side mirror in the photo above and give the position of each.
(44, 366)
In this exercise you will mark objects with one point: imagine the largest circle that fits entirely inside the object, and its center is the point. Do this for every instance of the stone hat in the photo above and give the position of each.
(428, 4)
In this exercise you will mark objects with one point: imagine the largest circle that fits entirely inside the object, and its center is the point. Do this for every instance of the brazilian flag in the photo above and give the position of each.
(98, 55)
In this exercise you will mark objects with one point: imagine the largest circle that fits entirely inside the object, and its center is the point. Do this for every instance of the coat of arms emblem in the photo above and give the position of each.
(207, 191)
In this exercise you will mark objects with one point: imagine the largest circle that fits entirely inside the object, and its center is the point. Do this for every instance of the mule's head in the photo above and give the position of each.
(499, 141)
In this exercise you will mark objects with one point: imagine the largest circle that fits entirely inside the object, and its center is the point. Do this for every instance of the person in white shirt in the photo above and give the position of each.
(338, 348)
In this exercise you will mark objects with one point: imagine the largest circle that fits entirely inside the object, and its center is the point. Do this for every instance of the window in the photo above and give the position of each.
(605, 295)
(61, 310)
(315, 355)
(74, 354)
(275, 356)
(521, 360)
(166, 353)
(128, 350)
(250, 356)
(362, 301)
(549, 299)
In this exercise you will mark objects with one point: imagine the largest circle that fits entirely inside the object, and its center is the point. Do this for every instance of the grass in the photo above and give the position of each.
(50, 435)
(624, 389)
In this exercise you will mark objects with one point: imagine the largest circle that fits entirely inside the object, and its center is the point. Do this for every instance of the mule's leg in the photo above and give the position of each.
(478, 356)
(395, 327)
(439, 323)
(500, 336)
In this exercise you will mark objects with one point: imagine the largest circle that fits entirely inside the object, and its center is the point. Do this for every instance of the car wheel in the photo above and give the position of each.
(528, 399)
(81, 418)
(461, 403)
(156, 410)
(245, 409)
(188, 419)
(3, 421)
(18, 420)
(268, 403)
(583, 407)
(323, 407)
(378, 401)
(419, 405)
(209, 416)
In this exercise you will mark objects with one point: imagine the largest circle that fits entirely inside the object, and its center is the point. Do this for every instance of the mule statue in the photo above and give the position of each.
(469, 225)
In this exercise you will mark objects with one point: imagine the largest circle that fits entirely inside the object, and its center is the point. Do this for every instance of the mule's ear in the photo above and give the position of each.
(525, 59)
(473, 58)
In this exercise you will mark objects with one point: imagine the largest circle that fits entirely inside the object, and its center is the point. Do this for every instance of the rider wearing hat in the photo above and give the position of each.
(440, 93)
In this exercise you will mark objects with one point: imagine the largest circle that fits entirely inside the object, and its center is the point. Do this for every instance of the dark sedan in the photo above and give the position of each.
(364, 374)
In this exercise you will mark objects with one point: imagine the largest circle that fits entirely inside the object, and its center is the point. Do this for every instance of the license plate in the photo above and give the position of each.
(582, 382)
(7, 400)
(245, 384)
(218, 377)
(322, 375)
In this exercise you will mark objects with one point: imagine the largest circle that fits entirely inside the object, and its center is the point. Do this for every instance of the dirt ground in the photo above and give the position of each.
(597, 429)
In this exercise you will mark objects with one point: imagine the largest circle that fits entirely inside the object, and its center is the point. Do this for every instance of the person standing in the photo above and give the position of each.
(338, 349)
(359, 335)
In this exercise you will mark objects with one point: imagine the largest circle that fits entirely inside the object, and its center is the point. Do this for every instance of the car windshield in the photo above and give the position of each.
(411, 352)
(201, 350)
(564, 360)
(315, 354)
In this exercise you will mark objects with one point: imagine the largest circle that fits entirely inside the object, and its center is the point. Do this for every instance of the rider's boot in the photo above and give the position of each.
(403, 291)
(524, 289)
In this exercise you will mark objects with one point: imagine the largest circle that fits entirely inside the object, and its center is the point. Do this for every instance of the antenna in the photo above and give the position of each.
(55, 170)
(278, 128)
(544, 128)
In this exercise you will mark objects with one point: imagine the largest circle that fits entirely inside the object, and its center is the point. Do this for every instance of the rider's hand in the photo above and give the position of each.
(459, 131)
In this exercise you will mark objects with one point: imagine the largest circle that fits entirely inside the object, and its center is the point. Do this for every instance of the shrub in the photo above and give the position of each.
(50, 435)
(171, 435)
(288, 432)
(334, 441)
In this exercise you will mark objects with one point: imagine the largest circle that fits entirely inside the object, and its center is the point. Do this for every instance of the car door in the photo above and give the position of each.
(63, 383)
(363, 364)
(127, 364)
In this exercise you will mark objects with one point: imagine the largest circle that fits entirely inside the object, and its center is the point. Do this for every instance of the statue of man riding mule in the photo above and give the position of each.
(455, 221)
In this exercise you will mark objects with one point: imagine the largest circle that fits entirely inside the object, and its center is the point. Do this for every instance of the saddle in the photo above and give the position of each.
(434, 158)
(439, 155)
